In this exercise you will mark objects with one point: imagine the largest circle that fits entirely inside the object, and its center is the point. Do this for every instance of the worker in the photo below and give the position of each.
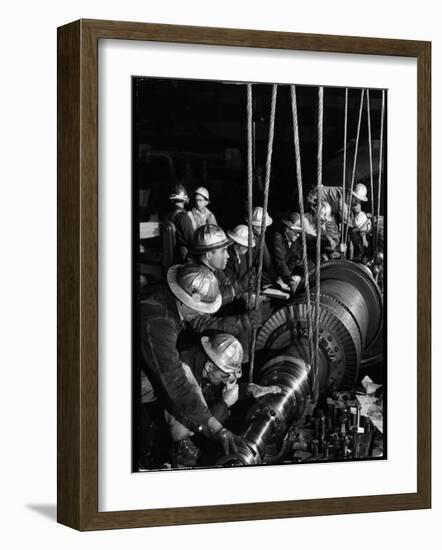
(210, 248)
(329, 231)
(287, 252)
(192, 291)
(214, 367)
(269, 275)
(199, 214)
(237, 269)
(359, 223)
(178, 215)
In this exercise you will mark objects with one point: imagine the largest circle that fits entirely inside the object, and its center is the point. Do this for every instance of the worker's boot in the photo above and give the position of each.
(184, 454)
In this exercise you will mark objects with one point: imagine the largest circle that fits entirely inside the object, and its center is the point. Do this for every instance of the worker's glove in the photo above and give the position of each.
(255, 318)
(229, 441)
(257, 391)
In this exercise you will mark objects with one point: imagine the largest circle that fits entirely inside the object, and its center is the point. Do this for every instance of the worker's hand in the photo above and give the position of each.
(282, 285)
(230, 394)
(229, 441)
(255, 318)
(257, 391)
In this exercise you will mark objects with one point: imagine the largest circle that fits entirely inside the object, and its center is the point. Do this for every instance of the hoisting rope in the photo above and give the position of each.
(263, 222)
(344, 173)
(318, 239)
(301, 211)
(380, 172)
(249, 189)
(355, 158)
(370, 154)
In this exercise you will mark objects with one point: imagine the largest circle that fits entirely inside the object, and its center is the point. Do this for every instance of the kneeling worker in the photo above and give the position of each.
(214, 367)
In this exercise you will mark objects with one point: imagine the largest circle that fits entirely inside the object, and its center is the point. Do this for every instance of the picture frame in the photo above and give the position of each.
(77, 224)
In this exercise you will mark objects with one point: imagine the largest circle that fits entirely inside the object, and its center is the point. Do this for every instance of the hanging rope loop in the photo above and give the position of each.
(381, 153)
(250, 188)
(355, 158)
(344, 175)
(261, 242)
(301, 211)
(318, 239)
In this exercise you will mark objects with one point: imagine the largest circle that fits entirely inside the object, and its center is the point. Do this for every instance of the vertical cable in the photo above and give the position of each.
(301, 211)
(263, 222)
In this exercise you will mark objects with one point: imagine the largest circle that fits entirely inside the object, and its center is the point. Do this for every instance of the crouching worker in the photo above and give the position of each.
(214, 368)
(192, 291)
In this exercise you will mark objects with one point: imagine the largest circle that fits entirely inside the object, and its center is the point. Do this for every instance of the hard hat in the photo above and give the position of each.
(360, 192)
(196, 286)
(293, 222)
(257, 217)
(325, 212)
(225, 351)
(179, 193)
(203, 192)
(240, 235)
(208, 237)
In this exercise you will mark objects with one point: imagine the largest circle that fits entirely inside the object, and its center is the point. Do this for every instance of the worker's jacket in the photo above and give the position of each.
(287, 256)
(199, 219)
(237, 271)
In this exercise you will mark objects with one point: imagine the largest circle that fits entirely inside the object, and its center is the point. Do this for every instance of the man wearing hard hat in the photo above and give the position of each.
(178, 215)
(192, 291)
(214, 367)
(199, 214)
(210, 248)
(269, 274)
(360, 223)
(237, 269)
(287, 252)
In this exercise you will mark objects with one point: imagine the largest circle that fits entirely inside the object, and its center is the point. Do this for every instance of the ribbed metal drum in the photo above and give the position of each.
(350, 319)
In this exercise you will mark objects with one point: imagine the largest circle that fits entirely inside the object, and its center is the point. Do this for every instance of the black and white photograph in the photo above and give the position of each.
(258, 274)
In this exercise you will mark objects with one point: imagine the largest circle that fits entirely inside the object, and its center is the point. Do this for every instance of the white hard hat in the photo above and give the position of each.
(225, 351)
(196, 286)
(203, 192)
(240, 235)
(257, 217)
(360, 192)
(179, 194)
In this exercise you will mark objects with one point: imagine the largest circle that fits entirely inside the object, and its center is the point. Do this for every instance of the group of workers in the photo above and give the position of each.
(210, 300)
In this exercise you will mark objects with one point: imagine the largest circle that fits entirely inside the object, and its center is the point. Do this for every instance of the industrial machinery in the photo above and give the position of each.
(328, 426)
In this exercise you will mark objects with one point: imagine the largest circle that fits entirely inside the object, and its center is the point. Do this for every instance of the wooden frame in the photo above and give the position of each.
(77, 274)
